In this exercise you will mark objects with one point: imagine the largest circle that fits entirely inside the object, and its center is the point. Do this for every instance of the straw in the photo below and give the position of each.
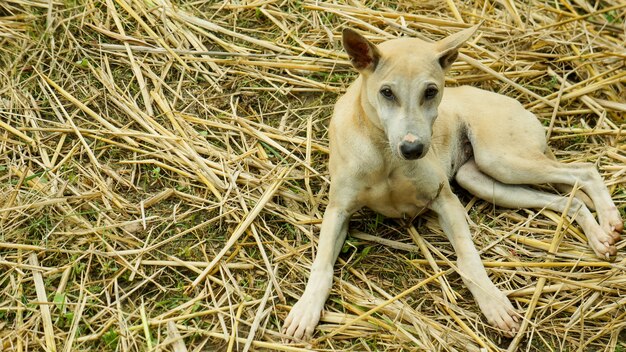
(164, 175)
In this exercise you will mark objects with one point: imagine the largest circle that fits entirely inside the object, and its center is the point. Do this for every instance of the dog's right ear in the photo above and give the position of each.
(363, 54)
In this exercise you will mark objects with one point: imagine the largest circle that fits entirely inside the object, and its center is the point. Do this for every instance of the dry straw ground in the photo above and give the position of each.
(163, 177)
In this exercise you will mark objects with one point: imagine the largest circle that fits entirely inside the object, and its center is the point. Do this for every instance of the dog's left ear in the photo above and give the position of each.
(448, 47)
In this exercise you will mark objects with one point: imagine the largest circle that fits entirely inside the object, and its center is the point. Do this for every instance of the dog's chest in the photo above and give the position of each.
(400, 192)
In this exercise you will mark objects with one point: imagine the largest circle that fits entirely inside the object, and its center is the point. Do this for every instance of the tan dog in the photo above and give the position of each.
(396, 141)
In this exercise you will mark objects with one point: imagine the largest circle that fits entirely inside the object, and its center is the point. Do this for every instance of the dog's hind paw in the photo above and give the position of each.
(302, 319)
(613, 224)
(603, 243)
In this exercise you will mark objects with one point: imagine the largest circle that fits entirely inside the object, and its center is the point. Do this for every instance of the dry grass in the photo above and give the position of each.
(163, 177)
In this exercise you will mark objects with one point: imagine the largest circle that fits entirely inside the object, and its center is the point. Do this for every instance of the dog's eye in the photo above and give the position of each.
(430, 92)
(387, 93)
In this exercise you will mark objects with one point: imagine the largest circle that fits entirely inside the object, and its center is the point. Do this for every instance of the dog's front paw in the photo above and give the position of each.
(500, 313)
(302, 319)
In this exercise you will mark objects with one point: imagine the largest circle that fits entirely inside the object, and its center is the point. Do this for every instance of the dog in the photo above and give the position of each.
(396, 142)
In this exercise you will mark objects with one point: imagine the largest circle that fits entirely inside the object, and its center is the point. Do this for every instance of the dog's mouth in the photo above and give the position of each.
(412, 157)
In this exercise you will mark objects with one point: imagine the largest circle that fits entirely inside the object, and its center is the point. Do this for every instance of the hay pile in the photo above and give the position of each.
(163, 177)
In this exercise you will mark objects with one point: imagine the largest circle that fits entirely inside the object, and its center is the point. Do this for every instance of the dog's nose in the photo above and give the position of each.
(411, 150)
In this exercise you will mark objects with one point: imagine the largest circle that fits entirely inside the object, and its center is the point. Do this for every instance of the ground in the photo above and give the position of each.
(163, 177)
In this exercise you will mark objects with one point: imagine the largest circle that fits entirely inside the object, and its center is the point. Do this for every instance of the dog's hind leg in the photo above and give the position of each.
(516, 153)
(485, 187)
(563, 188)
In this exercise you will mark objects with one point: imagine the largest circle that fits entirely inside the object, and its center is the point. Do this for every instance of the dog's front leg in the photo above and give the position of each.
(305, 314)
(492, 302)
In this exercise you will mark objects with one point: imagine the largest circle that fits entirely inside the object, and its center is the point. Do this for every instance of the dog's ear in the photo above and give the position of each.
(448, 47)
(363, 54)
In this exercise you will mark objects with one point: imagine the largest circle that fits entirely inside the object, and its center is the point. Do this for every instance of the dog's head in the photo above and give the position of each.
(403, 82)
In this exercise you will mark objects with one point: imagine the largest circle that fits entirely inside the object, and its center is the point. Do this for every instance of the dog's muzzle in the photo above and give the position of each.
(411, 150)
